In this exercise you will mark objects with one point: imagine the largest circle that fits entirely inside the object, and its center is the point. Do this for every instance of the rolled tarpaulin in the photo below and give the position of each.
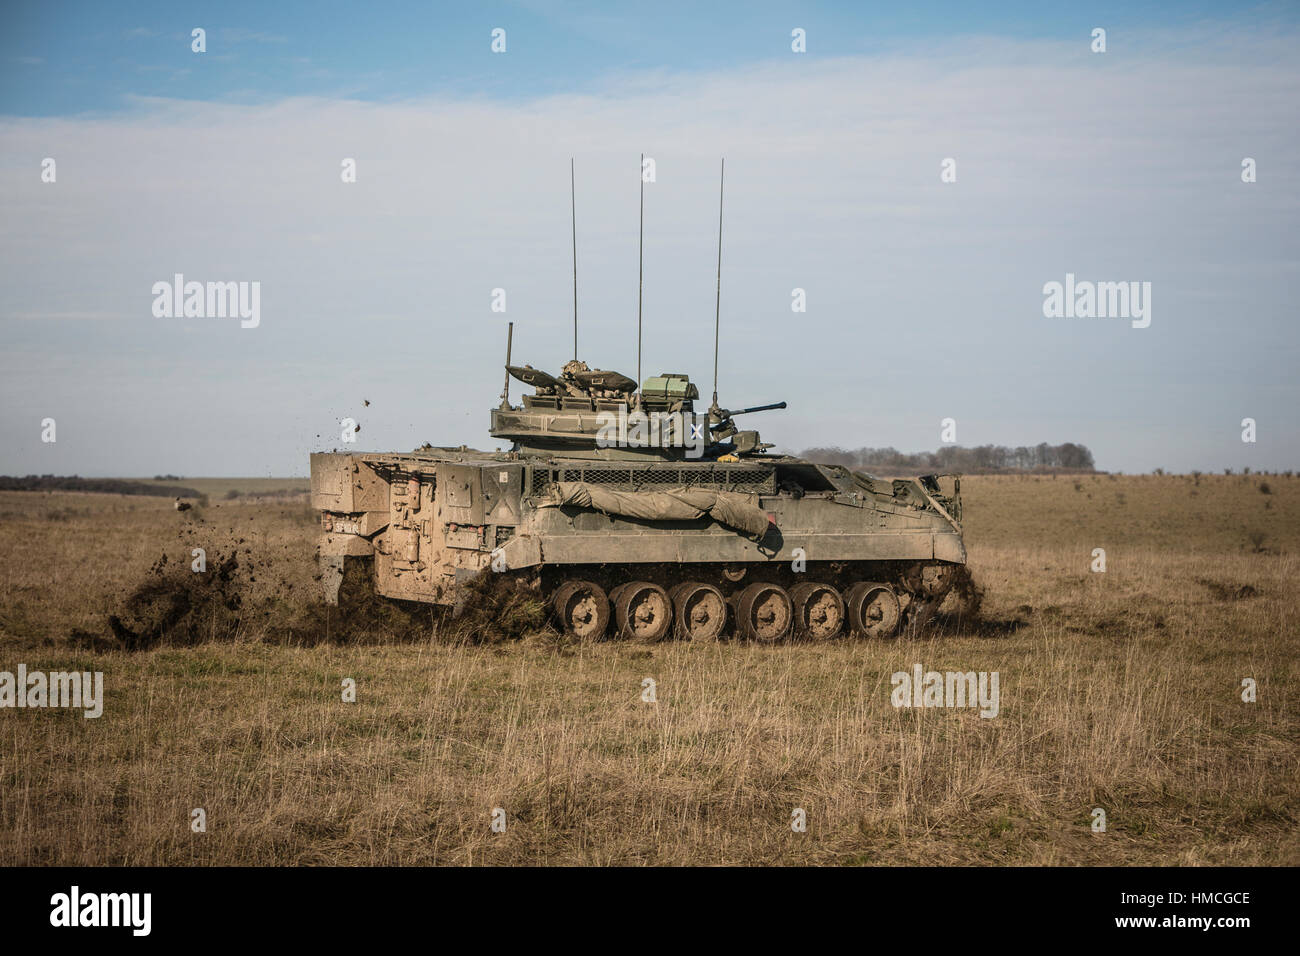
(670, 504)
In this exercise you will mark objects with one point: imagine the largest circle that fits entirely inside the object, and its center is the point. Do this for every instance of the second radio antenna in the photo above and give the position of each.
(717, 304)
(573, 212)
(640, 270)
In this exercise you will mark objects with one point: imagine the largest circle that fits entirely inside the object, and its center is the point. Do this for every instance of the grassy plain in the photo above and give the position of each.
(1119, 690)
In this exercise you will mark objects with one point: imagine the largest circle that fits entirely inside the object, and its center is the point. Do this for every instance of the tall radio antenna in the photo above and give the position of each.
(640, 269)
(573, 211)
(717, 304)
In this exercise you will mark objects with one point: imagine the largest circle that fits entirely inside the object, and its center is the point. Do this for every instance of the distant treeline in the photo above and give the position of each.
(984, 459)
(112, 486)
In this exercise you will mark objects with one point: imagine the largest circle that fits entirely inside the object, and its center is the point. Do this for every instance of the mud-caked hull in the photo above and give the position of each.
(774, 547)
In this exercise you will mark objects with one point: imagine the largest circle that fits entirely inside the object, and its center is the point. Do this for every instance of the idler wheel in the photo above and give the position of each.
(582, 609)
(872, 609)
(764, 612)
(818, 611)
(699, 611)
(642, 611)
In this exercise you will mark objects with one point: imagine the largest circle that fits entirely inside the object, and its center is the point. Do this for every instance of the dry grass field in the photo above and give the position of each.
(1119, 690)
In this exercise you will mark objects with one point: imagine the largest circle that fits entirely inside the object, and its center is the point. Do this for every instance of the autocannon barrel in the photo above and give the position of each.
(759, 408)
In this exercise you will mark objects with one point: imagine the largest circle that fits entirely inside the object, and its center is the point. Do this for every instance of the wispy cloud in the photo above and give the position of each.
(242, 35)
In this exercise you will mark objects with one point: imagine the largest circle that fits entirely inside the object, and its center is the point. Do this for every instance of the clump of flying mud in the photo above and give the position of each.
(496, 609)
(965, 601)
(176, 606)
(179, 605)
(968, 594)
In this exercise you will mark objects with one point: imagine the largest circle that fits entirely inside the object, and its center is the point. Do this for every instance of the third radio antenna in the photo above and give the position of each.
(717, 304)
(573, 215)
(640, 269)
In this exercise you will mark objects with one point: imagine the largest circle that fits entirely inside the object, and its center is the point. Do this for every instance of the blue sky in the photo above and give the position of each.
(58, 58)
(924, 298)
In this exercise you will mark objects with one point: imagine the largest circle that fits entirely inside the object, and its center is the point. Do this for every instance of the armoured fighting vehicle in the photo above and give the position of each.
(636, 516)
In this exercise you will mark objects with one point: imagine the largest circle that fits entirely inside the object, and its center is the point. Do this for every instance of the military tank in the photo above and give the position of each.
(637, 517)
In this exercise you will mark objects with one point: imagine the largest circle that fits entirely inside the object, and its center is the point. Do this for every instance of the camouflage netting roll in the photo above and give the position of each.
(673, 504)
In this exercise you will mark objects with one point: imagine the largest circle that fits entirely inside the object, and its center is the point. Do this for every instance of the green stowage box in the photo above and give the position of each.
(668, 387)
